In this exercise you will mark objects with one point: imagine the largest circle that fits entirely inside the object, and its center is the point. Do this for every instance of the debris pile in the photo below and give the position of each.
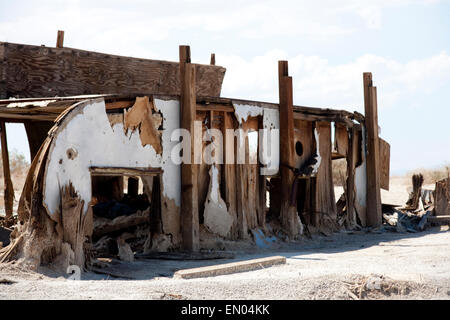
(422, 209)
(371, 287)
(120, 227)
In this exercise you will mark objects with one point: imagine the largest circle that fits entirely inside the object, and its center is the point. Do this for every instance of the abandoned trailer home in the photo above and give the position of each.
(106, 175)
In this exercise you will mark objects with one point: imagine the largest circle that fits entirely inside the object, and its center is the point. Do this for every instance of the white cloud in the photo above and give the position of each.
(120, 24)
(318, 83)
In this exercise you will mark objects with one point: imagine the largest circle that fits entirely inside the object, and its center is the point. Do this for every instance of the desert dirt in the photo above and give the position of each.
(345, 265)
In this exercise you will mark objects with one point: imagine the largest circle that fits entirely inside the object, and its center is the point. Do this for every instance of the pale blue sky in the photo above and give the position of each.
(404, 43)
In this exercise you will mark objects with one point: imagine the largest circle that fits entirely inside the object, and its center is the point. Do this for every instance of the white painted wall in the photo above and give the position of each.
(87, 130)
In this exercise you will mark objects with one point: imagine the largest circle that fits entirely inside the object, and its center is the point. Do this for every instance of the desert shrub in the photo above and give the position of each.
(19, 166)
(339, 168)
(431, 175)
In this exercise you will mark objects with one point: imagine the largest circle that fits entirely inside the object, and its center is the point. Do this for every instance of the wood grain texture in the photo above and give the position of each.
(325, 204)
(9, 189)
(442, 198)
(288, 214)
(373, 211)
(352, 155)
(341, 139)
(229, 172)
(34, 71)
(385, 157)
(190, 228)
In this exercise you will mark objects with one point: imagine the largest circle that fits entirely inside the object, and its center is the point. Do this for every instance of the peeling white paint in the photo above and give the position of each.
(271, 158)
(42, 103)
(319, 158)
(243, 111)
(215, 184)
(87, 130)
(216, 216)
(171, 186)
(361, 181)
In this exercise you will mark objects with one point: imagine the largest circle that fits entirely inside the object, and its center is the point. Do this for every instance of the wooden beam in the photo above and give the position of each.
(117, 171)
(373, 212)
(213, 59)
(9, 189)
(288, 213)
(189, 189)
(317, 117)
(60, 39)
(50, 72)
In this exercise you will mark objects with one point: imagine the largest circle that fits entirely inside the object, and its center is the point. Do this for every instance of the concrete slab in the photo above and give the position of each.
(229, 268)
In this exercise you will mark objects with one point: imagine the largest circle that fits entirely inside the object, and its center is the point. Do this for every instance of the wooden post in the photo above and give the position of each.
(229, 172)
(213, 59)
(60, 39)
(288, 214)
(9, 190)
(373, 195)
(189, 188)
(351, 165)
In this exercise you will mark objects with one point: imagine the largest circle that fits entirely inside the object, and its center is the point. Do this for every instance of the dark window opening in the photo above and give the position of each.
(299, 148)
(122, 202)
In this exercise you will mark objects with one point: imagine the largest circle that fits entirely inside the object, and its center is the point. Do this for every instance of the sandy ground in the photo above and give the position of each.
(346, 265)
(342, 266)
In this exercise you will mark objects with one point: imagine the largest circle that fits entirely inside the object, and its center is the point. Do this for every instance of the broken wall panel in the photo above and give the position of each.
(341, 139)
(304, 142)
(385, 150)
(361, 177)
(103, 145)
(442, 198)
(37, 71)
(325, 204)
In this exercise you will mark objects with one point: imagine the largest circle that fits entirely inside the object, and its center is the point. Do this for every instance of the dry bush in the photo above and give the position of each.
(339, 168)
(19, 168)
(432, 175)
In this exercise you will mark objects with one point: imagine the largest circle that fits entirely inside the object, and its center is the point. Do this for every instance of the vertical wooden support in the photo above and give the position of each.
(373, 212)
(288, 214)
(351, 166)
(229, 171)
(189, 187)
(9, 190)
(213, 59)
(60, 39)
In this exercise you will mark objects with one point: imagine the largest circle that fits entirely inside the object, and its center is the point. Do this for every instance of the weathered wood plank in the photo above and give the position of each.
(385, 156)
(9, 189)
(60, 39)
(442, 198)
(341, 139)
(351, 166)
(34, 71)
(189, 189)
(325, 203)
(229, 171)
(303, 133)
(288, 214)
(118, 171)
(373, 211)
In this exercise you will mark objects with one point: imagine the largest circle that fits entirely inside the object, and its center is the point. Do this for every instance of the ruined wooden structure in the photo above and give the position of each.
(93, 119)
